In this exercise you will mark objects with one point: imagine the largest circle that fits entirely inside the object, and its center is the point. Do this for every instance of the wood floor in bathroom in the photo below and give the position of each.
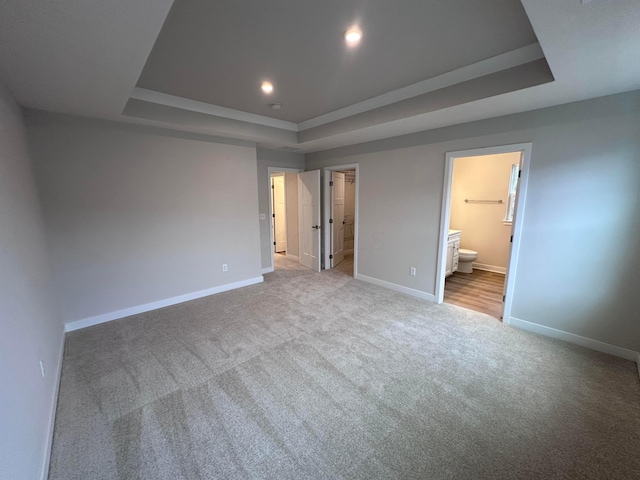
(480, 291)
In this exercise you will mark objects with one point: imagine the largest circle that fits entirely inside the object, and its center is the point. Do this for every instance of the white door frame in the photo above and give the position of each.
(518, 217)
(326, 213)
(271, 170)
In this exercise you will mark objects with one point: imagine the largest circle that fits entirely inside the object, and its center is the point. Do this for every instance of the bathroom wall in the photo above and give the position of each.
(349, 212)
(483, 228)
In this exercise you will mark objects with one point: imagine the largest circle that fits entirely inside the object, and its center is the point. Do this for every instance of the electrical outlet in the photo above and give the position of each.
(263, 216)
(224, 267)
(42, 367)
(412, 272)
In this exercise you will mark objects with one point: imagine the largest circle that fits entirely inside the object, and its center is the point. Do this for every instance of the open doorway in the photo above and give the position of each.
(340, 214)
(279, 216)
(283, 214)
(483, 204)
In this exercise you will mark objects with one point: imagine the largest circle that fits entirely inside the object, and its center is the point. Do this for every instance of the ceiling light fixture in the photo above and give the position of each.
(353, 36)
(267, 87)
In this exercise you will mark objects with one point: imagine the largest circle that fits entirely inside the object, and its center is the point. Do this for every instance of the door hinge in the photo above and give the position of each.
(330, 257)
(519, 173)
(273, 186)
(274, 243)
(511, 239)
(331, 220)
(504, 297)
(331, 183)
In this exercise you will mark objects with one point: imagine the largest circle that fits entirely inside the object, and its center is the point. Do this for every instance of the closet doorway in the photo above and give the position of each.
(481, 221)
(340, 205)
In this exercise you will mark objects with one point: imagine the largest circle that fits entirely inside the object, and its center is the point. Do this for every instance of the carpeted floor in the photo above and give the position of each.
(320, 376)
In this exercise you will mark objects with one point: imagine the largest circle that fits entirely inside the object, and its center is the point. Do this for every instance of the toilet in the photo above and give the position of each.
(465, 260)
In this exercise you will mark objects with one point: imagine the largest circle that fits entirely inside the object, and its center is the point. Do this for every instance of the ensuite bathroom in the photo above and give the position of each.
(483, 196)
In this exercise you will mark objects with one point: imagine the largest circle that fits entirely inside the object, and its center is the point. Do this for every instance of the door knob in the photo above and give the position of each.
(317, 227)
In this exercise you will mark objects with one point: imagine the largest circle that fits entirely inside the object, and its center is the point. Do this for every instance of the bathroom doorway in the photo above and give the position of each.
(483, 203)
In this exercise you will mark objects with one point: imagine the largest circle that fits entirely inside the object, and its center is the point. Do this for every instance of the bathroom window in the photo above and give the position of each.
(511, 200)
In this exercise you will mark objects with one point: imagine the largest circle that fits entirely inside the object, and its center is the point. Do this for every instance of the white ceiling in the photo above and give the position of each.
(86, 58)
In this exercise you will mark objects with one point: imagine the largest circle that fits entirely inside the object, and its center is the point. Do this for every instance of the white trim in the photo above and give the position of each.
(489, 268)
(326, 205)
(346, 252)
(518, 217)
(514, 58)
(52, 414)
(577, 340)
(445, 215)
(107, 317)
(267, 270)
(160, 98)
(398, 288)
(495, 64)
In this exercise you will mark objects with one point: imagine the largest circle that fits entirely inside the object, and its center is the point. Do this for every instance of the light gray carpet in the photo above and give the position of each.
(320, 376)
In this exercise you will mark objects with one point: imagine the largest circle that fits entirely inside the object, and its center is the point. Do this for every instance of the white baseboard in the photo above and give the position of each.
(267, 270)
(396, 287)
(107, 317)
(346, 252)
(52, 415)
(578, 340)
(489, 268)
(293, 257)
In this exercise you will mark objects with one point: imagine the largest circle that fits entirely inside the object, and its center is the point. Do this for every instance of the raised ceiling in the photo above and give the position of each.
(468, 60)
(219, 52)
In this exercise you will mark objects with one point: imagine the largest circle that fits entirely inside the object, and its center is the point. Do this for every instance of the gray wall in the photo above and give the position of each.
(266, 159)
(579, 266)
(136, 215)
(31, 326)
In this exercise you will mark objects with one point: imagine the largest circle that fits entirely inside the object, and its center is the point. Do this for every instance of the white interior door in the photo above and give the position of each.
(513, 224)
(337, 217)
(280, 214)
(309, 218)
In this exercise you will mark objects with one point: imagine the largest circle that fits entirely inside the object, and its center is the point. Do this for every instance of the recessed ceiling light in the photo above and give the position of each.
(353, 36)
(267, 87)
